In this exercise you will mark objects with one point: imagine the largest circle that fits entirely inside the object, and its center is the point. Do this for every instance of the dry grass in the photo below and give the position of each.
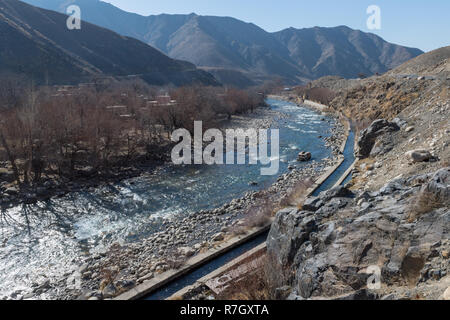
(358, 125)
(240, 231)
(257, 216)
(445, 163)
(253, 286)
(297, 194)
(320, 95)
(107, 276)
(259, 284)
(277, 275)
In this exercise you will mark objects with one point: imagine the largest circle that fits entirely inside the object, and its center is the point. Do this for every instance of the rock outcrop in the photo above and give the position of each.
(439, 186)
(419, 155)
(334, 246)
(304, 156)
(368, 137)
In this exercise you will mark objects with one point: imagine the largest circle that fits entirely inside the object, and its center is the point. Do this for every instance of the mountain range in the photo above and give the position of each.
(36, 43)
(241, 53)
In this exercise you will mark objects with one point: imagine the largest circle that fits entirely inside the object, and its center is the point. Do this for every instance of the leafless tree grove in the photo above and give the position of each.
(68, 131)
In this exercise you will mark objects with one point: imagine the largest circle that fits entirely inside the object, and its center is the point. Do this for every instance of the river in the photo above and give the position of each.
(46, 241)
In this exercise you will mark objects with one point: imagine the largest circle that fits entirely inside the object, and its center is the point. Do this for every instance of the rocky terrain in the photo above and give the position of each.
(434, 64)
(338, 236)
(393, 219)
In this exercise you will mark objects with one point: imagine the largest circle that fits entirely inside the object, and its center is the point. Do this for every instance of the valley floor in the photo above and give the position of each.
(122, 266)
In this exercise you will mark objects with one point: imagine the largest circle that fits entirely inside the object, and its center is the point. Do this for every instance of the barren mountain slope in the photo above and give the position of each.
(222, 43)
(37, 43)
(436, 62)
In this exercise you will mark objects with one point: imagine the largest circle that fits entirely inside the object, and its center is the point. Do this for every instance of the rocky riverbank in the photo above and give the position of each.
(179, 239)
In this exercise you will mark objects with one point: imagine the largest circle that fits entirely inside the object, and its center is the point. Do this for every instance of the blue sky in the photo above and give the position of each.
(424, 24)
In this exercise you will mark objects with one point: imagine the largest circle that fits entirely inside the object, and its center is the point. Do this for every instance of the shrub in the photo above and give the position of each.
(259, 215)
(251, 286)
(259, 283)
(297, 193)
(320, 95)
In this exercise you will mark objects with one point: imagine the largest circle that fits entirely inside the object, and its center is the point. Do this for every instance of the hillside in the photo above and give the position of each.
(342, 51)
(436, 62)
(394, 214)
(238, 52)
(36, 43)
(221, 42)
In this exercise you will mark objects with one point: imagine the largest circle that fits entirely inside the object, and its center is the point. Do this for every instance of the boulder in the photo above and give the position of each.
(314, 203)
(339, 191)
(218, 237)
(391, 186)
(383, 144)
(332, 206)
(186, 251)
(109, 291)
(400, 122)
(419, 155)
(439, 185)
(367, 137)
(304, 156)
(326, 254)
